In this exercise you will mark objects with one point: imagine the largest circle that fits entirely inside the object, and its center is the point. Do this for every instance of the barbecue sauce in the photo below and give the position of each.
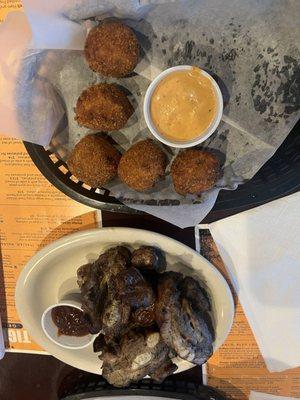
(69, 321)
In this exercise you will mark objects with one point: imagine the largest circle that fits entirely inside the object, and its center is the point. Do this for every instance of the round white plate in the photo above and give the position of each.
(51, 274)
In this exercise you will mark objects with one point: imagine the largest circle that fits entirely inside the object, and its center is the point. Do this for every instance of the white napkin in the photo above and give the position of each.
(54, 25)
(261, 251)
(50, 28)
(265, 396)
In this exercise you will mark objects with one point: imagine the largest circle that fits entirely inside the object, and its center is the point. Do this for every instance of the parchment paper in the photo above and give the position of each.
(252, 47)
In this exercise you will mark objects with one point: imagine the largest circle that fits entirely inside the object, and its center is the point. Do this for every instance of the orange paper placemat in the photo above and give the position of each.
(33, 213)
(9, 5)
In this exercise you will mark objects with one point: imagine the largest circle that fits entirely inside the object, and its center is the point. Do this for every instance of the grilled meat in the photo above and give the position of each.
(88, 280)
(149, 258)
(130, 294)
(94, 281)
(145, 317)
(184, 325)
(134, 289)
(138, 355)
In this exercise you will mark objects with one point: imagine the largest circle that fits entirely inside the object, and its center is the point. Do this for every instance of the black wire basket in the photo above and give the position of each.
(280, 176)
(94, 386)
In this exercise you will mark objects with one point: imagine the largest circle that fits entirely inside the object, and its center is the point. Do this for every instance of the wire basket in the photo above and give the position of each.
(94, 386)
(278, 177)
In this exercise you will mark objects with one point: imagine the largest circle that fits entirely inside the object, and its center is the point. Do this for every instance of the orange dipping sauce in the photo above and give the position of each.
(183, 104)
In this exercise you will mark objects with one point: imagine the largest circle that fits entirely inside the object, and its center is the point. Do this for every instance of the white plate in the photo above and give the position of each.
(51, 274)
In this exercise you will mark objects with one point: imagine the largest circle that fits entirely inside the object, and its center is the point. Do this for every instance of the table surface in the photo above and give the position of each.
(38, 377)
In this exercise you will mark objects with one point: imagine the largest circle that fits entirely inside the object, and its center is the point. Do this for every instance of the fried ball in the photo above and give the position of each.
(103, 107)
(142, 165)
(94, 161)
(112, 49)
(194, 171)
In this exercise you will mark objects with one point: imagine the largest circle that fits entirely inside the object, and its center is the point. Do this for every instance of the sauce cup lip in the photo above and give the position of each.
(55, 339)
(189, 143)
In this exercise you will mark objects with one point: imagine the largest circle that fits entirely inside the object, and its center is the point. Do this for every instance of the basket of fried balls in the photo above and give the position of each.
(112, 50)
(144, 315)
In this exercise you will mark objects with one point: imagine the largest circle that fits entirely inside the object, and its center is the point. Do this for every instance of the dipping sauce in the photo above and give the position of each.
(69, 321)
(183, 104)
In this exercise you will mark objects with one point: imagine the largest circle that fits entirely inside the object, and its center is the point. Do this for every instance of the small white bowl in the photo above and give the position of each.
(202, 135)
(65, 341)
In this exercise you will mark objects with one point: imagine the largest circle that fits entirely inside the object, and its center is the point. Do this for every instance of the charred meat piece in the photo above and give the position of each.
(129, 293)
(143, 317)
(184, 326)
(115, 319)
(198, 299)
(88, 280)
(168, 295)
(192, 339)
(134, 289)
(192, 291)
(99, 343)
(94, 281)
(113, 261)
(148, 258)
(167, 303)
(152, 278)
(138, 355)
(163, 371)
(84, 274)
(114, 314)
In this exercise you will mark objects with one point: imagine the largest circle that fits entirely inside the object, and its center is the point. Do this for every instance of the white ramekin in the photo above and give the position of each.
(202, 135)
(50, 329)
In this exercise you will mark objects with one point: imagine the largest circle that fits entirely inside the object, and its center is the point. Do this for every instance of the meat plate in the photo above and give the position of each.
(51, 274)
